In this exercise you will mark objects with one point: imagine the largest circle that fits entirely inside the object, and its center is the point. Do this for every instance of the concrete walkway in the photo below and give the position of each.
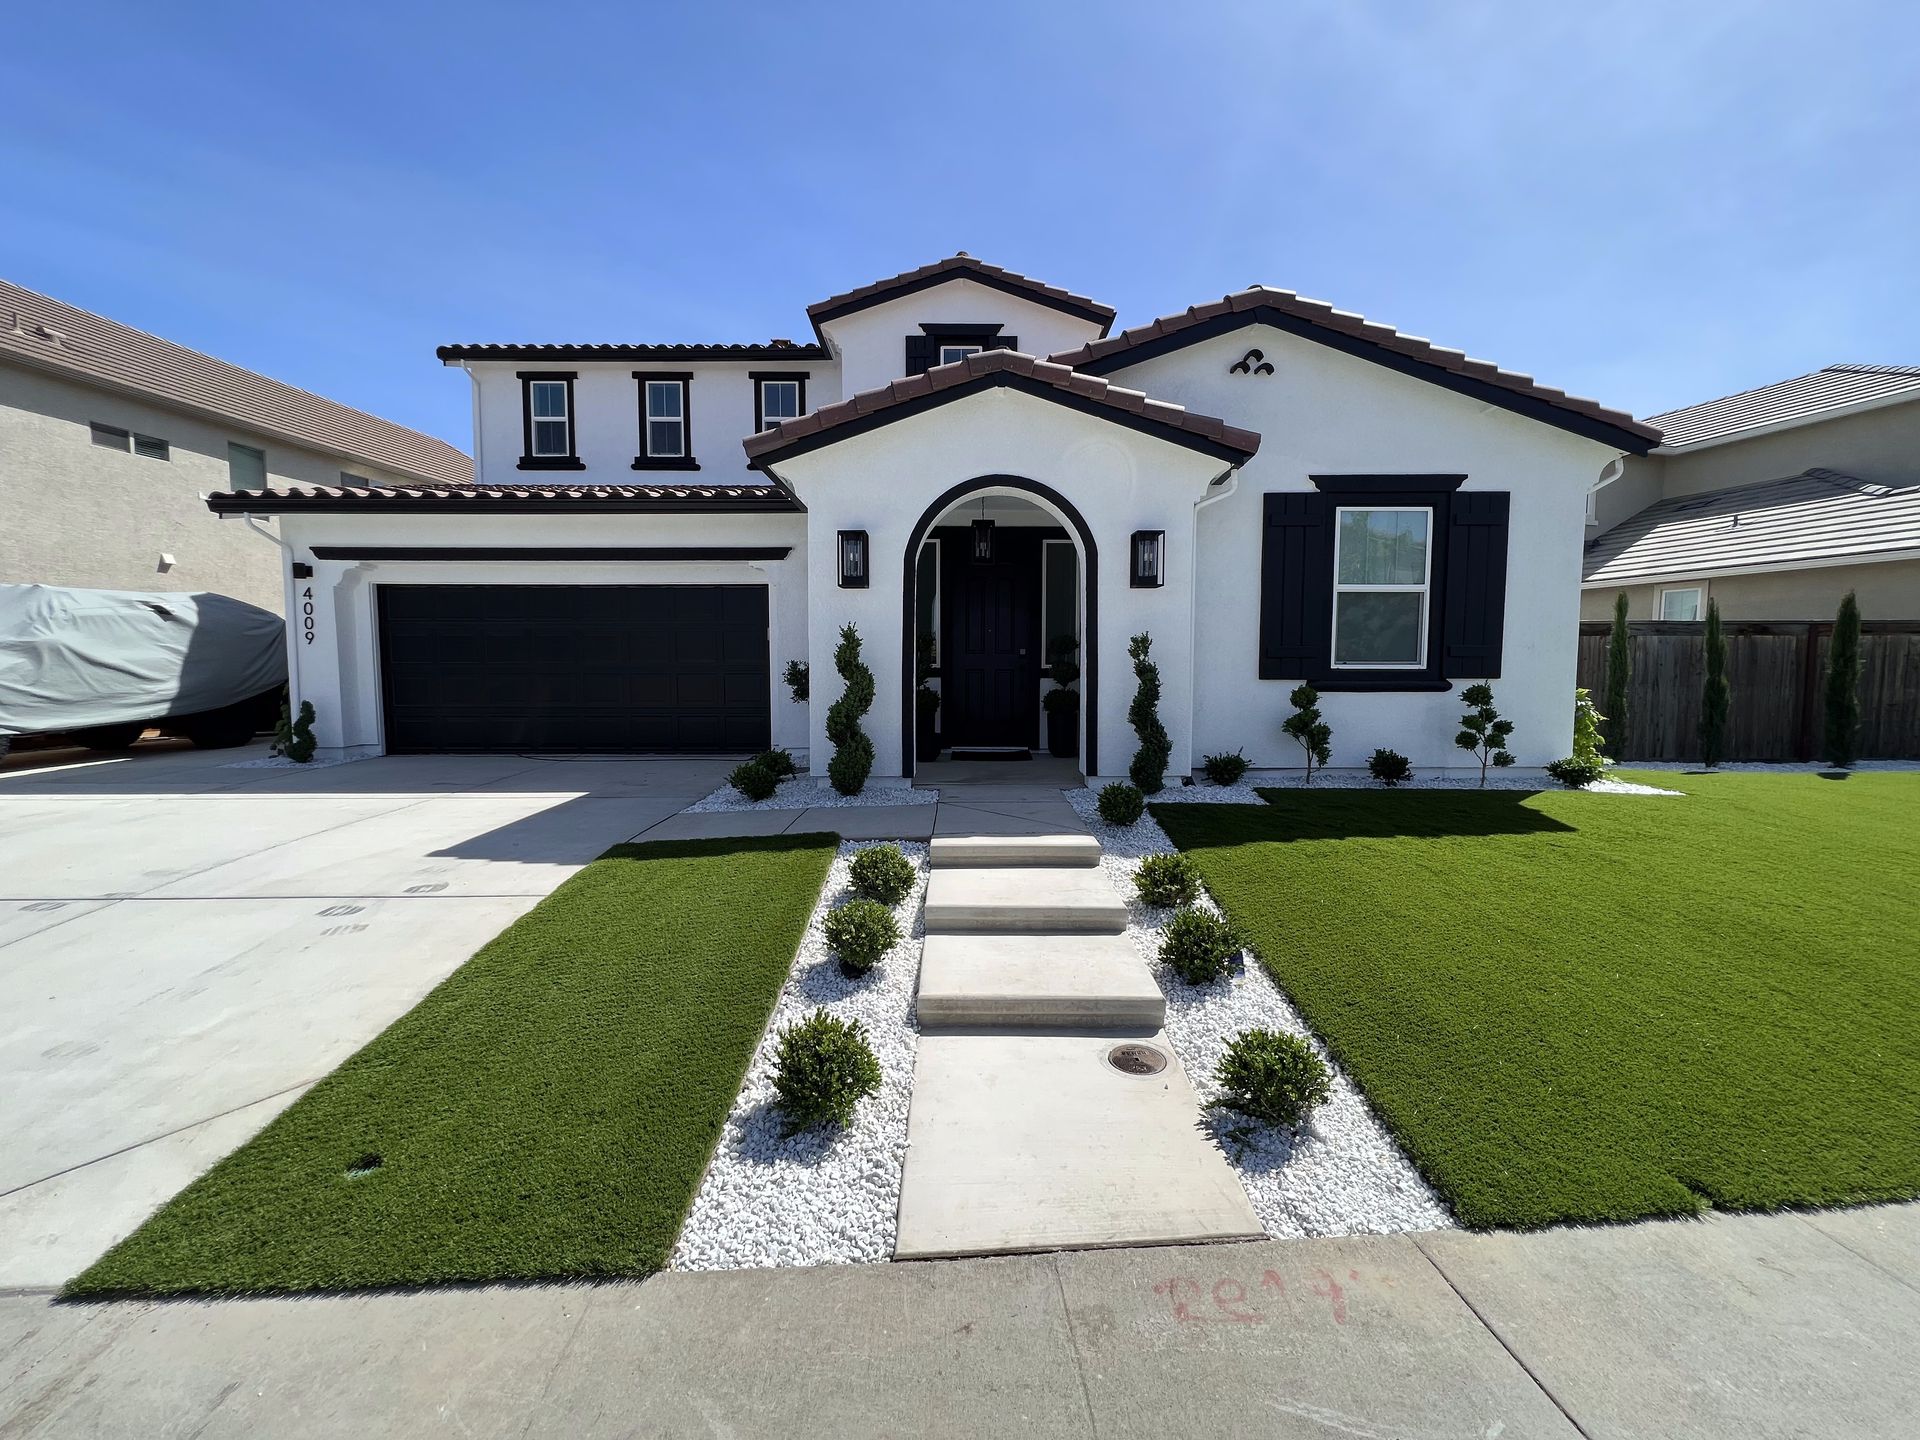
(1749, 1327)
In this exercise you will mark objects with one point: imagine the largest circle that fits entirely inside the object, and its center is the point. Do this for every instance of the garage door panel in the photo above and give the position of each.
(557, 667)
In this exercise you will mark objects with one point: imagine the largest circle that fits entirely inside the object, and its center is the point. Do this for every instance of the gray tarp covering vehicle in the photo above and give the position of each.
(100, 666)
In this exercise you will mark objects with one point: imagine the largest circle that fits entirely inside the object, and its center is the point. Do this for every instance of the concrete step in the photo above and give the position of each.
(1014, 851)
(1017, 900)
(1060, 982)
(1036, 1142)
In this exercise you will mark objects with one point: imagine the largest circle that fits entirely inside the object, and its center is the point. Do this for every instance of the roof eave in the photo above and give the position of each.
(1783, 567)
(222, 502)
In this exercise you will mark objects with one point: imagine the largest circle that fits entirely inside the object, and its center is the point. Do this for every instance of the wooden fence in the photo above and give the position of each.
(1777, 671)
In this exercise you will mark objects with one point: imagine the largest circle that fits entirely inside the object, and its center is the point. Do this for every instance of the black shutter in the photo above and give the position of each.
(1001, 342)
(1296, 587)
(920, 353)
(1475, 617)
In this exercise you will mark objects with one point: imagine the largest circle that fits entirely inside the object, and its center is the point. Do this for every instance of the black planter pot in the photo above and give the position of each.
(1063, 733)
(926, 737)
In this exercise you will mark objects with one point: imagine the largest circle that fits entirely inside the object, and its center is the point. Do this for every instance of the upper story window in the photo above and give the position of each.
(547, 421)
(666, 421)
(946, 343)
(351, 481)
(1681, 604)
(246, 467)
(777, 395)
(1382, 566)
(114, 438)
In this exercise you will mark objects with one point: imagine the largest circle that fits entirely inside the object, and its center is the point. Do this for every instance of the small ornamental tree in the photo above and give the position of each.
(1586, 728)
(1149, 768)
(1483, 734)
(1713, 694)
(1619, 678)
(295, 739)
(1306, 726)
(1843, 687)
(852, 758)
(798, 680)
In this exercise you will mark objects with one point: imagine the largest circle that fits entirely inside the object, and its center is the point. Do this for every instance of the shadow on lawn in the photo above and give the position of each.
(1359, 814)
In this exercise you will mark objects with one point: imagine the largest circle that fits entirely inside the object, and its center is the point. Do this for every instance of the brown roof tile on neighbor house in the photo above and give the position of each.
(1355, 334)
(991, 369)
(961, 266)
(467, 497)
(1835, 390)
(90, 349)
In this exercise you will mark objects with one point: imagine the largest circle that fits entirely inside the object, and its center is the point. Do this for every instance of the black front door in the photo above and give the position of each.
(990, 672)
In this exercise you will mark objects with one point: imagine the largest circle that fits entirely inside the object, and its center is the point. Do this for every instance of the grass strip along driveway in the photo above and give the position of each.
(1601, 1007)
(546, 1112)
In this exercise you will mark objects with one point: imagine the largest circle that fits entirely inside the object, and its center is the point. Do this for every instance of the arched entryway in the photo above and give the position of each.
(1078, 533)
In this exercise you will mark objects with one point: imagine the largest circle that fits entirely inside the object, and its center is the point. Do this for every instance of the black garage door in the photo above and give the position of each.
(575, 667)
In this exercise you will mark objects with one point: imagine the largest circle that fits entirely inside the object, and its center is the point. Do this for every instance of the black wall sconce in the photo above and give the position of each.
(302, 570)
(1149, 559)
(853, 559)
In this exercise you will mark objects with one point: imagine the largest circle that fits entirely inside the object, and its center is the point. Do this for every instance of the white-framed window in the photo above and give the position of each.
(951, 353)
(666, 402)
(246, 467)
(779, 400)
(1686, 602)
(550, 419)
(1382, 575)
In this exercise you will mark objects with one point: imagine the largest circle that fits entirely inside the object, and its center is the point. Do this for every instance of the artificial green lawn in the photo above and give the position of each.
(1598, 1007)
(546, 1112)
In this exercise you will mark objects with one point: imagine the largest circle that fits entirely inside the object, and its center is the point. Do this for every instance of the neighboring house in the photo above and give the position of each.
(1274, 490)
(110, 440)
(1775, 502)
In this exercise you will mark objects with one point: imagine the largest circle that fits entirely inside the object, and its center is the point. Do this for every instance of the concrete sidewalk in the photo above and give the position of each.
(1733, 1327)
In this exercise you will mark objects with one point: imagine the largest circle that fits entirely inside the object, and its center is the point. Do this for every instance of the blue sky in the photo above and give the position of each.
(1651, 204)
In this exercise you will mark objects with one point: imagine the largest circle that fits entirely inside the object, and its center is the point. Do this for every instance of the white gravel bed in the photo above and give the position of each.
(805, 792)
(1205, 792)
(1340, 1173)
(825, 1196)
(281, 762)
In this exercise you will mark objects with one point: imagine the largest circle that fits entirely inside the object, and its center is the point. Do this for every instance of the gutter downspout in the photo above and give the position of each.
(479, 461)
(1223, 487)
(292, 608)
(1609, 473)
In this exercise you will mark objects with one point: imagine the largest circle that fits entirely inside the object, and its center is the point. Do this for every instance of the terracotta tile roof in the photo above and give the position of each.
(1354, 332)
(90, 349)
(771, 350)
(1818, 517)
(533, 495)
(992, 368)
(959, 267)
(1802, 400)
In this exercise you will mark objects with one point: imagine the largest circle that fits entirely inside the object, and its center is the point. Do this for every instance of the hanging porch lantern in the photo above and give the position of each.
(853, 559)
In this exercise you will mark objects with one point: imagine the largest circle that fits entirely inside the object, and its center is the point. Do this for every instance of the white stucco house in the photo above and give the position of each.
(1274, 490)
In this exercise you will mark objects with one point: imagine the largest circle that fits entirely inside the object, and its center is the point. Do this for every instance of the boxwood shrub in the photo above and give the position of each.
(860, 932)
(1167, 880)
(1198, 945)
(1575, 772)
(1389, 767)
(1271, 1077)
(823, 1069)
(1121, 804)
(883, 873)
(754, 778)
(1224, 769)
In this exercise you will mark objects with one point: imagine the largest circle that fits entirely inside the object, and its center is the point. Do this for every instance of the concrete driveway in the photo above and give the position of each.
(186, 946)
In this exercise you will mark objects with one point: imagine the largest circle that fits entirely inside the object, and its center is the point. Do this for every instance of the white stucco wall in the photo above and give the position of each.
(1324, 412)
(606, 398)
(1119, 479)
(86, 515)
(339, 669)
(871, 343)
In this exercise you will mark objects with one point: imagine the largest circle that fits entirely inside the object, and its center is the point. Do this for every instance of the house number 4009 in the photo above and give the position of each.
(306, 613)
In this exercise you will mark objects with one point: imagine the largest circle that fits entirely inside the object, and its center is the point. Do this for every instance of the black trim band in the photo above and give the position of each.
(552, 552)
(1527, 405)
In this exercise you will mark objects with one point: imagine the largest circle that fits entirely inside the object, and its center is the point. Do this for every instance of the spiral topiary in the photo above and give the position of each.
(852, 758)
(1149, 767)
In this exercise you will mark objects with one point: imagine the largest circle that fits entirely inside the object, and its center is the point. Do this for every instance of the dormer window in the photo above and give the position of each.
(666, 421)
(546, 421)
(945, 343)
(777, 395)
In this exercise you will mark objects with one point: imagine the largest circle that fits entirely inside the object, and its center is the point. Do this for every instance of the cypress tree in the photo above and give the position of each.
(1843, 686)
(1619, 677)
(1713, 696)
(1149, 768)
